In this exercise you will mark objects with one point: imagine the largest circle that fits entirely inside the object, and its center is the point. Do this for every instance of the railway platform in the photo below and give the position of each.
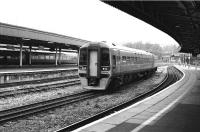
(37, 68)
(10, 75)
(174, 109)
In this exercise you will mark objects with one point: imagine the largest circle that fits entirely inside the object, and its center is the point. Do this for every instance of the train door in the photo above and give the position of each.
(118, 61)
(115, 61)
(93, 63)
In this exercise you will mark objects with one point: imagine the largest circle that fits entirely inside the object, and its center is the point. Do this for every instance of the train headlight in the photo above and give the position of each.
(82, 67)
(105, 68)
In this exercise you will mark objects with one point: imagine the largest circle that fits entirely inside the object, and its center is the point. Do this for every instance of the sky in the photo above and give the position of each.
(90, 20)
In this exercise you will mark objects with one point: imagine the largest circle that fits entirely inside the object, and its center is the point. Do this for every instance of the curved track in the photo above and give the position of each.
(172, 76)
(26, 110)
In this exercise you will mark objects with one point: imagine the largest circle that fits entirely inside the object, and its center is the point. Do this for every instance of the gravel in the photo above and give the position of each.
(24, 99)
(63, 116)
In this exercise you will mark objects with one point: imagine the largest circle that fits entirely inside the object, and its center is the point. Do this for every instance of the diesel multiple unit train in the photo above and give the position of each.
(103, 66)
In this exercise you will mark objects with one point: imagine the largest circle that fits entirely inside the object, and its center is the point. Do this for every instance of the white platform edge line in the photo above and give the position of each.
(100, 120)
(159, 113)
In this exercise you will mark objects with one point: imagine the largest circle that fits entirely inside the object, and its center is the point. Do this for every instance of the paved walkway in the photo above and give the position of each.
(35, 69)
(175, 109)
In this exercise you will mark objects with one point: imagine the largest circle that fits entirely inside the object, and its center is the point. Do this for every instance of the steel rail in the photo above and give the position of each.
(169, 79)
(8, 93)
(17, 112)
(37, 81)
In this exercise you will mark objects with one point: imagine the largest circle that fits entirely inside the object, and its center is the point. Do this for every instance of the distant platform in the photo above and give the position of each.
(10, 75)
(37, 68)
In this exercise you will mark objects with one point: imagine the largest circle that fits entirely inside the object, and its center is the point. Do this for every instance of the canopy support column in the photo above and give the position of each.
(59, 59)
(56, 58)
(20, 55)
(30, 55)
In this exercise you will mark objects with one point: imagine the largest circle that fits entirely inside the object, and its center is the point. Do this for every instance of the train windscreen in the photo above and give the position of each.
(83, 57)
(105, 61)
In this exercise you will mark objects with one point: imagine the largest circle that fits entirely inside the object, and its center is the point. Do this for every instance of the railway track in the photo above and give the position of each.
(8, 93)
(18, 112)
(26, 110)
(38, 81)
(171, 78)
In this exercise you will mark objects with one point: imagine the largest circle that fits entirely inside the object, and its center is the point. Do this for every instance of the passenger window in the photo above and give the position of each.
(123, 59)
(83, 57)
(105, 57)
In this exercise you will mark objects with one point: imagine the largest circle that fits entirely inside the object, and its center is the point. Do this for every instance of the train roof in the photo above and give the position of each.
(123, 48)
(118, 47)
(101, 44)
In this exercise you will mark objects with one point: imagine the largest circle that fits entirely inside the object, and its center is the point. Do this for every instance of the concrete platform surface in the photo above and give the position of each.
(35, 69)
(175, 109)
(29, 74)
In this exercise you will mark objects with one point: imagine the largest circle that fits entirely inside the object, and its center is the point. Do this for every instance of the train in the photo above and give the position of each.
(37, 58)
(104, 66)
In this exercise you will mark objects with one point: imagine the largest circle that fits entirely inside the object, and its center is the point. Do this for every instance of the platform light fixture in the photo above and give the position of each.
(50, 42)
(26, 39)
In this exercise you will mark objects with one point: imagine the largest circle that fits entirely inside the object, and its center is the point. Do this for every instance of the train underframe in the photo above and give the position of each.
(113, 82)
(118, 80)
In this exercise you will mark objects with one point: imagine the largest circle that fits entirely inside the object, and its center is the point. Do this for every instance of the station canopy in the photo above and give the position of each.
(179, 19)
(15, 35)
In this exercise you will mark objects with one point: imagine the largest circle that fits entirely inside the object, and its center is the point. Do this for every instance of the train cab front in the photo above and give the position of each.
(94, 66)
